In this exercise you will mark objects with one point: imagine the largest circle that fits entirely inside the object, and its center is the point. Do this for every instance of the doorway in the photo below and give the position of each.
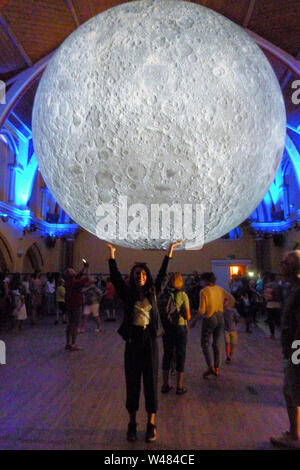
(225, 269)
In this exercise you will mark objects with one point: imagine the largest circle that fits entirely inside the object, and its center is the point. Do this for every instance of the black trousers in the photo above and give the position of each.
(174, 341)
(273, 319)
(141, 360)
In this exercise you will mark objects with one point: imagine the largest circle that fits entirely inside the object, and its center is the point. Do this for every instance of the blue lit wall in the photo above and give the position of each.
(24, 182)
(280, 207)
(22, 167)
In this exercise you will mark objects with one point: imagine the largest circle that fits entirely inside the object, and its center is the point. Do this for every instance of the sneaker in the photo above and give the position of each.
(181, 391)
(151, 433)
(74, 347)
(208, 372)
(81, 330)
(285, 441)
(228, 359)
(98, 330)
(131, 432)
(166, 388)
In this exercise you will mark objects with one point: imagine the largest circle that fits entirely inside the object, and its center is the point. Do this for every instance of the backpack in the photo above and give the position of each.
(171, 312)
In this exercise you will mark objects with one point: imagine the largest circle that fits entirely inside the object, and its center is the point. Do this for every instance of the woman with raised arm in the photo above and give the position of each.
(140, 327)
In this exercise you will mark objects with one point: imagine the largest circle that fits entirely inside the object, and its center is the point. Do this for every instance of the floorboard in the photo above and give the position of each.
(53, 399)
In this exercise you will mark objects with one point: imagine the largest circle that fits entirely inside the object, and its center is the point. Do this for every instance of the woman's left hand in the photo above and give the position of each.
(172, 246)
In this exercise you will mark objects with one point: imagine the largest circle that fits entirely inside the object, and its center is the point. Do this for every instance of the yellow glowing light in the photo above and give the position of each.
(234, 269)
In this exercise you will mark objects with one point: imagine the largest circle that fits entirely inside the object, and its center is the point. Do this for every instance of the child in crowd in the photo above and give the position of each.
(109, 301)
(231, 318)
(20, 312)
(61, 302)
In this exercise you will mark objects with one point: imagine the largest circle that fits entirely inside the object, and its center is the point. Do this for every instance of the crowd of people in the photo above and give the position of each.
(167, 307)
(25, 296)
(33, 296)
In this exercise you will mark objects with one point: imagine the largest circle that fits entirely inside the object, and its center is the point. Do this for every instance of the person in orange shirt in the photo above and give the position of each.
(211, 307)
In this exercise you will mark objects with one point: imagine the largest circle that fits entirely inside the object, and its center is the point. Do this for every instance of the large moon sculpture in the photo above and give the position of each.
(158, 102)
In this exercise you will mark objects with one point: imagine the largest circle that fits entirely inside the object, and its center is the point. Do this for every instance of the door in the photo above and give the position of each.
(222, 273)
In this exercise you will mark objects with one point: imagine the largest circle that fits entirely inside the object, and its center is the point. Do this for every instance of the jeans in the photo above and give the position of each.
(213, 327)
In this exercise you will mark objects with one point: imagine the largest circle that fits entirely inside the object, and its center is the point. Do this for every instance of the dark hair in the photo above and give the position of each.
(208, 277)
(50, 277)
(15, 282)
(149, 281)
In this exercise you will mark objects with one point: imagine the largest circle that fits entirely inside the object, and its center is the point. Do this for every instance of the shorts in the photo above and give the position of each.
(74, 316)
(231, 337)
(94, 309)
(291, 381)
(62, 307)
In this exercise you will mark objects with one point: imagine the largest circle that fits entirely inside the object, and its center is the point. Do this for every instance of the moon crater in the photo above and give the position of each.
(161, 101)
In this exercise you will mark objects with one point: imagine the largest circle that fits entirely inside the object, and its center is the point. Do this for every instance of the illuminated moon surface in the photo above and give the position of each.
(162, 102)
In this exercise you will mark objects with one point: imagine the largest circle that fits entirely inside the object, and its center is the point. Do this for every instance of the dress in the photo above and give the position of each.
(141, 349)
(20, 312)
(36, 293)
(50, 297)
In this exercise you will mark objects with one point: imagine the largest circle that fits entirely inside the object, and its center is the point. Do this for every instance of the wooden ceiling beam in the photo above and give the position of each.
(287, 59)
(73, 13)
(249, 13)
(21, 85)
(287, 75)
(14, 40)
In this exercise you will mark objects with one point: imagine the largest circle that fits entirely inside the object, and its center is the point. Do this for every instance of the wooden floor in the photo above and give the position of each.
(53, 399)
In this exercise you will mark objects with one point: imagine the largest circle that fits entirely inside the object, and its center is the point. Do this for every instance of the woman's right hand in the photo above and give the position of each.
(112, 250)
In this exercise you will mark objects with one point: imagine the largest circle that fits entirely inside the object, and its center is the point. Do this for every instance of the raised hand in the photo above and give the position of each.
(172, 246)
(112, 249)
